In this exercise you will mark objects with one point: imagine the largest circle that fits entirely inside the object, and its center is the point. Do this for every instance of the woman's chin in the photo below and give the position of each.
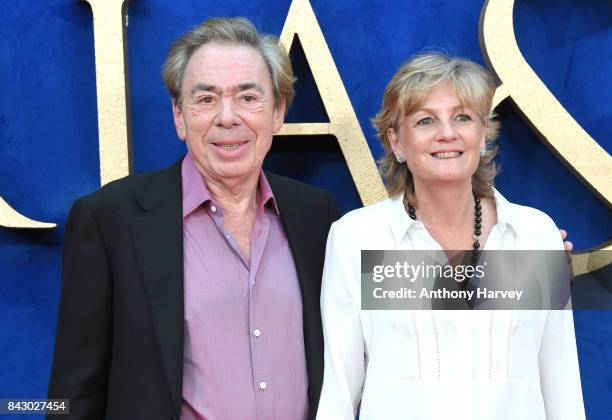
(449, 178)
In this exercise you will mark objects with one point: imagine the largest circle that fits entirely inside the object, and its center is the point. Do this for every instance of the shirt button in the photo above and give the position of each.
(256, 332)
(262, 385)
(213, 209)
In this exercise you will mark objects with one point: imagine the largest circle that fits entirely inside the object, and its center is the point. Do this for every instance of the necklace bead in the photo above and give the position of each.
(477, 225)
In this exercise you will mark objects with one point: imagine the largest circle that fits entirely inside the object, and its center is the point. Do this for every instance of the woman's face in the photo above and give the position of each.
(441, 140)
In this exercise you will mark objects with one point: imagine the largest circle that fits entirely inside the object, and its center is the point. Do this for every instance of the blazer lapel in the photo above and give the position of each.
(296, 227)
(295, 221)
(157, 236)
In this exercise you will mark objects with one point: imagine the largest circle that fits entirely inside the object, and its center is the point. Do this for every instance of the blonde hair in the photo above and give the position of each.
(405, 93)
(238, 31)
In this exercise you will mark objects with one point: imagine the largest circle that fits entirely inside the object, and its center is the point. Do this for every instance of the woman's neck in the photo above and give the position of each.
(449, 205)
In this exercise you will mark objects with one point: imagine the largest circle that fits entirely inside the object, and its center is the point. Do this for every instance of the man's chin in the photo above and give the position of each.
(235, 170)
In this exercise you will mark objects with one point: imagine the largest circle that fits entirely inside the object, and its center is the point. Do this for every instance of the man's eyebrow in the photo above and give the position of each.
(248, 86)
(215, 89)
(204, 87)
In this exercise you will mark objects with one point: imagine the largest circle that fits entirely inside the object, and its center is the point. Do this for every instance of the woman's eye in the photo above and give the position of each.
(425, 121)
(463, 117)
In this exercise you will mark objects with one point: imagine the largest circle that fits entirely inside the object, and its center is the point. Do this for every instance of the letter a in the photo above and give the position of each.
(302, 22)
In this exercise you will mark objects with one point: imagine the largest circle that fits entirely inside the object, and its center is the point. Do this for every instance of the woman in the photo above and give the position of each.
(436, 129)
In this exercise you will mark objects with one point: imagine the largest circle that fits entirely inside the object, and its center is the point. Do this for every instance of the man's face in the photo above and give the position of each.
(227, 113)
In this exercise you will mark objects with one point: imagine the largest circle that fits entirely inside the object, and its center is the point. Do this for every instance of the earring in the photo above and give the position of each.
(400, 158)
(483, 151)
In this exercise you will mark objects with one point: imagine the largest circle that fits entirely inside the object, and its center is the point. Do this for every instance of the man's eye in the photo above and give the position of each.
(463, 118)
(205, 100)
(425, 121)
(249, 98)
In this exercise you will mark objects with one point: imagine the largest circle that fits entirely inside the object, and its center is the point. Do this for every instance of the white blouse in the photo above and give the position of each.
(429, 365)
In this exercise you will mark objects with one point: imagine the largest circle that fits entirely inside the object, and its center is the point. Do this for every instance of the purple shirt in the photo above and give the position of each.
(244, 353)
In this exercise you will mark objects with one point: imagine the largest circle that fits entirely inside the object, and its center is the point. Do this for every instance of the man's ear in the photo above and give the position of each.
(278, 117)
(179, 123)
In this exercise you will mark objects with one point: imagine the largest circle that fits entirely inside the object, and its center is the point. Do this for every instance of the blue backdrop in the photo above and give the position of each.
(49, 147)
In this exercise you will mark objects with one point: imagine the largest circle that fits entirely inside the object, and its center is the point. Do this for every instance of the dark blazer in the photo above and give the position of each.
(119, 344)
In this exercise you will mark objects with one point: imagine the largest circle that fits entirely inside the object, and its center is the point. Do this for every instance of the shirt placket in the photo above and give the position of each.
(257, 331)
(259, 360)
(247, 275)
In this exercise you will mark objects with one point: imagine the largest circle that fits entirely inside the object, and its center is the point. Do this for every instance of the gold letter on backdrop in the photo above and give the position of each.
(114, 146)
(302, 22)
(10, 218)
(111, 88)
(565, 137)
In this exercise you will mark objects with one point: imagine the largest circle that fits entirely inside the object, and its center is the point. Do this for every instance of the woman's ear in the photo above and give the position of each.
(394, 141)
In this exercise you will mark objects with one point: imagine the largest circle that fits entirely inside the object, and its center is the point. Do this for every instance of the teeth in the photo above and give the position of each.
(446, 155)
(231, 146)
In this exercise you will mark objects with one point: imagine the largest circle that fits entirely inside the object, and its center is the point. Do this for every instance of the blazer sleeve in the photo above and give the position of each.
(344, 345)
(333, 213)
(83, 339)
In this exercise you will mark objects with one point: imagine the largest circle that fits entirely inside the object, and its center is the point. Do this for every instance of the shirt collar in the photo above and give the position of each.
(504, 212)
(401, 223)
(266, 197)
(196, 193)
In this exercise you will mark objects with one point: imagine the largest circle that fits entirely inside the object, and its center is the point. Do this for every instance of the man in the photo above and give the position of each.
(193, 292)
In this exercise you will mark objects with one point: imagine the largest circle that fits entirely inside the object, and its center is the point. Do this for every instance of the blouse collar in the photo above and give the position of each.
(401, 223)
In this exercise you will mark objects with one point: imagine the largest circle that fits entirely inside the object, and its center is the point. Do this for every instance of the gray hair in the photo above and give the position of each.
(406, 91)
(238, 31)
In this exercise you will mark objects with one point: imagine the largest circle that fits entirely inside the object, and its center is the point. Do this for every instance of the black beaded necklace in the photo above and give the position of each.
(463, 284)
(477, 225)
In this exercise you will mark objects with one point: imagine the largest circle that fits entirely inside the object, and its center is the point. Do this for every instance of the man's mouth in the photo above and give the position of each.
(230, 147)
(446, 155)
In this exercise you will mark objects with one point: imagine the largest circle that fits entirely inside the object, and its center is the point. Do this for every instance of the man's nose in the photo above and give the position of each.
(227, 116)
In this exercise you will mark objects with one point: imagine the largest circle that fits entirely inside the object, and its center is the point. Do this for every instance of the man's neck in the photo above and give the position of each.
(237, 196)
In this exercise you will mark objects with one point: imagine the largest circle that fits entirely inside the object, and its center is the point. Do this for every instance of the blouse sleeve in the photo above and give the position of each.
(558, 357)
(344, 344)
(559, 372)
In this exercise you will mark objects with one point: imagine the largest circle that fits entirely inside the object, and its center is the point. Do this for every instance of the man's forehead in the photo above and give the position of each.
(226, 65)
